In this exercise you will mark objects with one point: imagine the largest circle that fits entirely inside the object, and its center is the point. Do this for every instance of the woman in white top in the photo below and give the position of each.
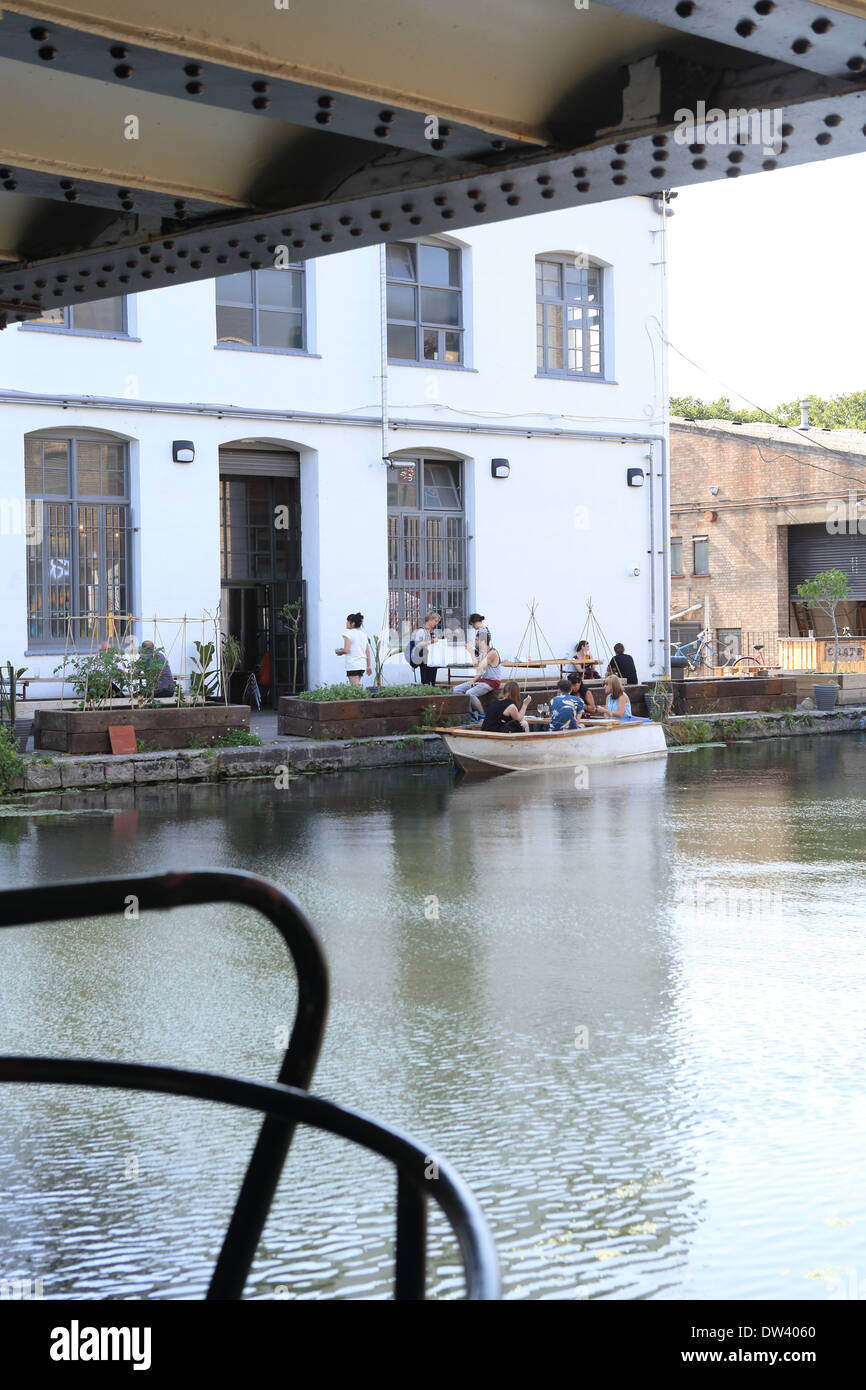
(356, 649)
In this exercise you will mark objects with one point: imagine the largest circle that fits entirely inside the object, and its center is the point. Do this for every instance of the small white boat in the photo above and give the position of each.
(602, 741)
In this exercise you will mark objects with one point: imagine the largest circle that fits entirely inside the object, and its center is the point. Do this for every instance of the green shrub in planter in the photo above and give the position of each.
(11, 762)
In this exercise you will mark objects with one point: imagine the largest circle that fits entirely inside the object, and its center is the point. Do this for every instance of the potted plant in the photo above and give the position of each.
(825, 592)
(19, 729)
(659, 701)
(292, 616)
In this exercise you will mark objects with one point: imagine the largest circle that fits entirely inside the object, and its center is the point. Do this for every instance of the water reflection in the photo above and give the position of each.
(625, 1011)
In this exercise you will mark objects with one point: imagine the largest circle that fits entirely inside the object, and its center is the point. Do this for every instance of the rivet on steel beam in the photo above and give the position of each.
(261, 86)
(323, 117)
(416, 221)
(545, 193)
(193, 69)
(261, 103)
(385, 226)
(222, 260)
(545, 178)
(733, 172)
(438, 144)
(856, 64)
(376, 213)
(736, 157)
(787, 129)
(580, 172)
(299, 242)
(39, 34)
(195, 89)
(513, 200)
(327, 236)
(622, 148)
(507, 187)
(697, 149)
(196, 265)
(801, 46)
(833, 119)
(358, 231)
(407, 207)
(825, 138)
(498, 145)
(658, 140)
(480, 207)
(128, 205)
(10, 184)
(584, 187)
(745, 28)
(123, 70)
(260, 236)
(686, 8)
(620, 179)
(234, 242)
(147, 275)
(345, 220)
(386, 116)
(440, 201)
(47, 54)
(764, 7)
(658, 172)
(822, 26)
(769, 164)
(617, 164)
(699, 163)
(118, 52)
(326, 102)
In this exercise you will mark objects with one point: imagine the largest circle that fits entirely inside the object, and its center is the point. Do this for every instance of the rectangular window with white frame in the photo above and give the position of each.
(701, 548)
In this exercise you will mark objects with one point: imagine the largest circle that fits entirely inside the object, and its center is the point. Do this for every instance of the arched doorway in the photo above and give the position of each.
(260, 555)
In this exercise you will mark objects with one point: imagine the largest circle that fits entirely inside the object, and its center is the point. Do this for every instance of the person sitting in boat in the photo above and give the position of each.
(618, 704)
(566, 709)
(504, 714)
(585, 661)
(577, 686)
(488, 677)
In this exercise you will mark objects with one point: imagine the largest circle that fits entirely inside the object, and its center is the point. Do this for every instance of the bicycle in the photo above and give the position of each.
(702, 646)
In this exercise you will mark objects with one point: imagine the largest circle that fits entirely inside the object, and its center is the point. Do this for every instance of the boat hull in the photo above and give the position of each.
(608, 742)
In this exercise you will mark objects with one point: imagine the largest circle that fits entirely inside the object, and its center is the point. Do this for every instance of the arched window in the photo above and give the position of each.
(568, 317)
(426, 541)
(78, 537)
(425, 303)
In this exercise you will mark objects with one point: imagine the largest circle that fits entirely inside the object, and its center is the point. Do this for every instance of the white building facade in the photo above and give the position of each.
(536, 343)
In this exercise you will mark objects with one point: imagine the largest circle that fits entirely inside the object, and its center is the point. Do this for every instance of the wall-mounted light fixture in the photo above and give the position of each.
(500, 468)
(183, 451)
(634, 477)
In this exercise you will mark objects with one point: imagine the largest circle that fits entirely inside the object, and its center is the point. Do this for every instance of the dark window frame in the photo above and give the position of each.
(418, 322)
(79, 508)
(563, 302)
(297, 268)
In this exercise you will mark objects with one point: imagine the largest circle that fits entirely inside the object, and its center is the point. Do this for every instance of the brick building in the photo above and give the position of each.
(756, 510)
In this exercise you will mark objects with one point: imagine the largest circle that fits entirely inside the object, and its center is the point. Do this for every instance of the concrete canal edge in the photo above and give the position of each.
(746, 725)
(61, 772)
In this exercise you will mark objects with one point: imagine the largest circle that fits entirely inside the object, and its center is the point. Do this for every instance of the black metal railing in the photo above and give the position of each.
(284, 1103)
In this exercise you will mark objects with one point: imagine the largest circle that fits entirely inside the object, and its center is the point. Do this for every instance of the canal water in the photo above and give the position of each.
(630, 1013)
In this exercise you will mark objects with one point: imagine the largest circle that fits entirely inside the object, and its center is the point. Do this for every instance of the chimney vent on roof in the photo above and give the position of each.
(804, 415)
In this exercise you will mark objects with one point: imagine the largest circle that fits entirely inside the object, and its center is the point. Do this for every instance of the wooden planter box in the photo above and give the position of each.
(370, 718)
(817, 654)
(726, 696)
(86, 731)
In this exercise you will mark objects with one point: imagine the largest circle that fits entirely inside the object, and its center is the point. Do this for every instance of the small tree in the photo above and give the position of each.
(825, 592)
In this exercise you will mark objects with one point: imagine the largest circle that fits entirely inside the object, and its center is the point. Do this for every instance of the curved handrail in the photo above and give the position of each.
(60, 901)
(291, 1106)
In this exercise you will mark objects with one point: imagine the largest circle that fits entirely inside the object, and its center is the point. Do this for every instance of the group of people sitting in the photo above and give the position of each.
(571, 707)
(573, 703)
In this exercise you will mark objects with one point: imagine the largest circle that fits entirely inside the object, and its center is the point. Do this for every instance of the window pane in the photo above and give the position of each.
(402, 489)
(437, 265)
(550, 279)
(593, 291)
(279, 330)
(440, 306)
(554, 360)
(401, 302)
(401, 343)
(279, 289)
(440, 486)
(102, 316)
(50, 316)
(702, 556)
(676, 557)
(234, 325)
(452, 347)
(235, 289)
(89, 482)
(55, 453)
(33, 467)
(575, 282)
(400, 261)
(431, 344)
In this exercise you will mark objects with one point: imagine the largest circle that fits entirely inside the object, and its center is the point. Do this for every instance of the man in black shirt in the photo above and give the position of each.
(622, 665)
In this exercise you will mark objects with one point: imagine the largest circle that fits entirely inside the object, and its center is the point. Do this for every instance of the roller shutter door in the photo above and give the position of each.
(260, 463)
(812, 549)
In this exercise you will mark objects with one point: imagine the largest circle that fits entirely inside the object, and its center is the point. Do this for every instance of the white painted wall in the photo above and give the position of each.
(528, 540)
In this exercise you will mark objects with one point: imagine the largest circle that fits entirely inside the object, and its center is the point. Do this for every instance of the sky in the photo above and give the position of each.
(767, 285)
